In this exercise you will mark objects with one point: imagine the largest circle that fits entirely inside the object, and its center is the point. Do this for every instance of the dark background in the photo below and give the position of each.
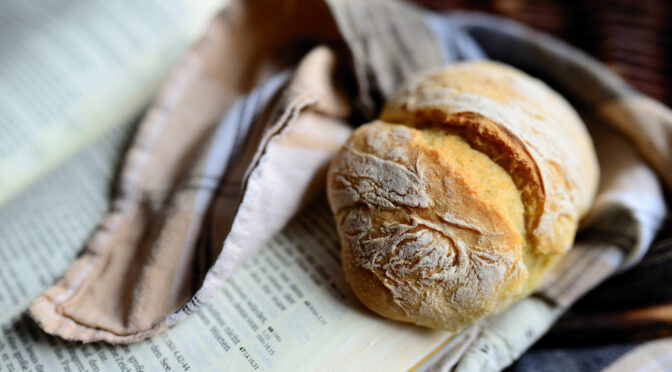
(633, 37)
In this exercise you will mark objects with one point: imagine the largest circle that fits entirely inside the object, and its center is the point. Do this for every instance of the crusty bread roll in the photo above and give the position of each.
(466, 190)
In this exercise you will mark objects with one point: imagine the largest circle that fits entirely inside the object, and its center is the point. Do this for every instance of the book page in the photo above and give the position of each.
(43, 229)
(288, 308)
(70, 70)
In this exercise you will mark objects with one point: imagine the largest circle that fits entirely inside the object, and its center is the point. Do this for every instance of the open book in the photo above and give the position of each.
(72, 77)
(71, 70)
(286, 308)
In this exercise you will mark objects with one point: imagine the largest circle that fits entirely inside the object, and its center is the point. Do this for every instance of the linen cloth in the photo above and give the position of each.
(239, 139)
(653, 356)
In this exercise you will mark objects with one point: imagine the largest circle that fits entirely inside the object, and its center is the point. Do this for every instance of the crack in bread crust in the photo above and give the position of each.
(495, 141)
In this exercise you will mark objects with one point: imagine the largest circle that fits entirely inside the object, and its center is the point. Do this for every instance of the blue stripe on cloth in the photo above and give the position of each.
(455, 43)
(233, 129)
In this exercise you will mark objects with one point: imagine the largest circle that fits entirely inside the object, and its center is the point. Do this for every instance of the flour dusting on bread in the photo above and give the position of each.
(461, 196)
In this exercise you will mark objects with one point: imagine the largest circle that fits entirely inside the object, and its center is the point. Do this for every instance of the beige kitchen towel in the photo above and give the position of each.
(652, 356)
(198, 195)
(144, 269)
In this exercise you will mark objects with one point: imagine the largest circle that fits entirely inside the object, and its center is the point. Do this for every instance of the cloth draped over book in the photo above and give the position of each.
(239, 139)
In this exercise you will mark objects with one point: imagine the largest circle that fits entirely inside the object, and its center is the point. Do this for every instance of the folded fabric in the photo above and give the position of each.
(198, 195)
(185, 217)
(652, 356)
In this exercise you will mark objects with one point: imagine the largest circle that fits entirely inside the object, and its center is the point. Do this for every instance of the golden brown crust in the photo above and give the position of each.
(494, 140)
(458, 199)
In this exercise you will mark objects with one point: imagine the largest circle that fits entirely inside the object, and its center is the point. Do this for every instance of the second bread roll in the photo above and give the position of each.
(465, 191)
